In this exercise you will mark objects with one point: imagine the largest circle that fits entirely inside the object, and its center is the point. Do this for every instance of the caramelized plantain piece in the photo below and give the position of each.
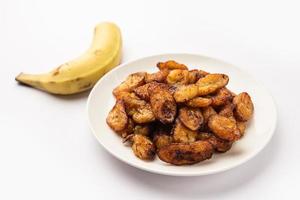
(117, 118)
(186, 153)
(243, 106)
(227, 110)
(170, 65)
(159, 76)
(178, 76)
(219, 144)
(242, 127)
(161, 140)
(221, 97)
(131, 100)
(207, 112)
(162, 103)
(204, 135)
(223, 127)
(202, 73)
(142, 129)
(143, 114)
(199, 102)
(182, 133)
(185, 92)
(142, 147)
(192, 118)
(211, 83)
(131, 82)
(194, 76)
(128, 130)
(142, 91)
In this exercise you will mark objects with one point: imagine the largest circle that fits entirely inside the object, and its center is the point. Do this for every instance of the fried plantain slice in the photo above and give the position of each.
(170, 65)
(185, 92)
(182, 133)
(143, 114)
(128, 130)
(227, 110)
(242, 127)
(131, 82)
(207, 112)
(117, 118)
(211, 83)
(131, 100)
(142, 147)
(219, 144)
(162, 103)
(194, 76)
(243, 106)
(161, 140)
(221, 97)
(186, 153)
(198, 102)
(178, 76)
(192, 118)
(204, 135)
(159, 76)
(142, 129)
(142, 91)
(223, 127)
(202, 73)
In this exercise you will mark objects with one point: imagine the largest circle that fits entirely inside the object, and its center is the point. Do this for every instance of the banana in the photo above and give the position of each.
(83, 72)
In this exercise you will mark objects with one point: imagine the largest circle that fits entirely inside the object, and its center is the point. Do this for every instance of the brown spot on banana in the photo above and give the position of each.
(56, 71)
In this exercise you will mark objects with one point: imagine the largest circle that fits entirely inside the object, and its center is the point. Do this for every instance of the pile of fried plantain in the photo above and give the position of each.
(182, 115)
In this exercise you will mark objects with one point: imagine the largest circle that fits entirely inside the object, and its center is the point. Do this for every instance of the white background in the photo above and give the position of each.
(46, 148)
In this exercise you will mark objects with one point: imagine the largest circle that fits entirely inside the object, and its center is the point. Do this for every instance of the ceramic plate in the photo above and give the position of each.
(258, 133)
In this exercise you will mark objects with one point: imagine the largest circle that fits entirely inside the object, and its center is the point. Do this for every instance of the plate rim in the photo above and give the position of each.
(168, 173)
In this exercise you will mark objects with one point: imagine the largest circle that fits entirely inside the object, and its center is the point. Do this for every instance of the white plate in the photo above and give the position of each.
(258, 133)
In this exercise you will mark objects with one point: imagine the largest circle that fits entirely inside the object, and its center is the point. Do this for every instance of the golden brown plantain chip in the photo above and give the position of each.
(207, 112)
(242, 127)
(211, 83)
(131, 100)
(243, 106)
(223, 127)
(203, 73)
(161, 140)
(185, 92)
(143, 114)
(194, 76)
(221, 97)
(178, 76)
(227, 110)
(128, 129)
(186, 153)
(182, 133)
(203, 135)
(142, 91)
(117, 118)
(219, 144)
(159, 76)
(142, 147)
(199, 102)
(162, 103)
(170, 64)
(131, 82)
(192, 118)
(142, 129)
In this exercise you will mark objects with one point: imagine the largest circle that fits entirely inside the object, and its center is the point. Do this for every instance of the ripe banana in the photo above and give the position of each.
(83, 72)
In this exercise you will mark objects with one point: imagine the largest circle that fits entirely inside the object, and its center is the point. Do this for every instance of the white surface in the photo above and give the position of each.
(46, 148)
(258, 133)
